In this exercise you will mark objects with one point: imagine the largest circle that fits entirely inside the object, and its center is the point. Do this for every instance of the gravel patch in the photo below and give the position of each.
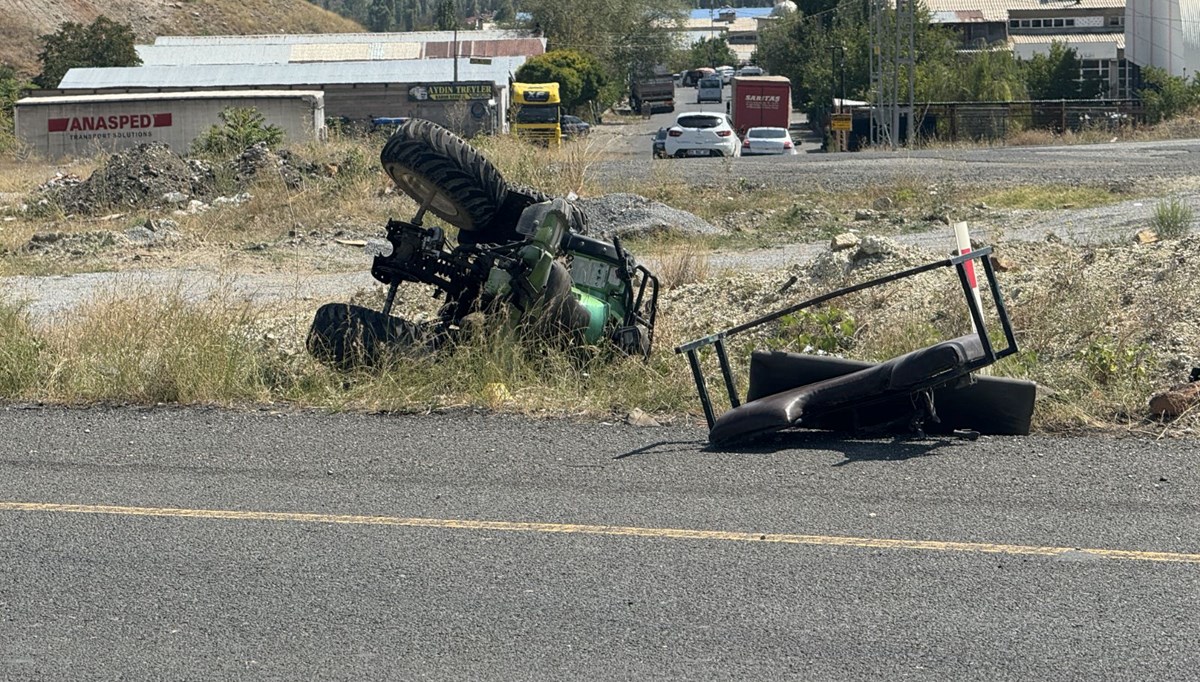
(625, 215)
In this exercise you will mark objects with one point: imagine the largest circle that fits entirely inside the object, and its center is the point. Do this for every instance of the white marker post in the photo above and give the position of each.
(963, 241)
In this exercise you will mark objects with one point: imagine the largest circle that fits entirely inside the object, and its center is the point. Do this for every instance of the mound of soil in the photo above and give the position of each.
(138, 177)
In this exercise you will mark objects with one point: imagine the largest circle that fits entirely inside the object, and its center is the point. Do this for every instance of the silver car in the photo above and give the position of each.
(710, 89)
(766, 140)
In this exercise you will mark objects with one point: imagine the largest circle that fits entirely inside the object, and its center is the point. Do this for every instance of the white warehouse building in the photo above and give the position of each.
(1164, 33)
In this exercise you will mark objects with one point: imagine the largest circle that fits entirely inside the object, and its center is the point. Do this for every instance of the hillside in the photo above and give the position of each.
(22, 21)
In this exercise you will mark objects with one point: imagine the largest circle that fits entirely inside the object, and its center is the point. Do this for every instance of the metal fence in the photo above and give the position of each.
(990, 121)
(979, 121)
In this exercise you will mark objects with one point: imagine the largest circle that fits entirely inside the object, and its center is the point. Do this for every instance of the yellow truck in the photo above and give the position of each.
(538, 113)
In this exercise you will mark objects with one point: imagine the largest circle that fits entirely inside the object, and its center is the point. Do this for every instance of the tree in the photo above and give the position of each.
(504, 12)
(820, 52)
(1056, 75)
(1166, 96)
(102, 43)
(622, 36)
(445, 16)
(379, 16)
(712, 52)
(989, 75)
(580, 78)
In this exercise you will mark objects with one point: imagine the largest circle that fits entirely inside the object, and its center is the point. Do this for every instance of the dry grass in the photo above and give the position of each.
(148, 347)
(680, 264)
(554, 171)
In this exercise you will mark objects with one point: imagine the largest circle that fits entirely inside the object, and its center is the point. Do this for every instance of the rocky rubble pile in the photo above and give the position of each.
(133, 178)
(150, 233)
(625, 215)
(259, 158)
(151, 175)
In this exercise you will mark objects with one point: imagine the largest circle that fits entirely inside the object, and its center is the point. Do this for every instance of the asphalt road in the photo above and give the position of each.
(211, 544)
(627, 151)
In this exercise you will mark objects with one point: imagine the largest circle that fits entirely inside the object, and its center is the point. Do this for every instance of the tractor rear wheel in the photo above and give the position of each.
(440, 170)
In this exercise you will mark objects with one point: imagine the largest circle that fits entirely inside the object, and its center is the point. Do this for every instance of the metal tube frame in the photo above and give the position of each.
(959, 263)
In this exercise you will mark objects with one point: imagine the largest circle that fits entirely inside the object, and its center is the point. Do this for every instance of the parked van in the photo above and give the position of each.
(711, 89)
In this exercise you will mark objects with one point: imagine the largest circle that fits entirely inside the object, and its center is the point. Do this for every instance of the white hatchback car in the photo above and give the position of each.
(701, 134)
(766, 140)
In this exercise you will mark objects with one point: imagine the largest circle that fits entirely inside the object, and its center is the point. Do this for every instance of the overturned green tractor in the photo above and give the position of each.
(512, 250)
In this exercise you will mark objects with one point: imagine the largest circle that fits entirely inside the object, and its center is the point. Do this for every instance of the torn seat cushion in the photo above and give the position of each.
(899, 376)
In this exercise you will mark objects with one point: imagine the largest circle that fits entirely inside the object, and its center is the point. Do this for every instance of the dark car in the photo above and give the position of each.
(660, 144)
(573, 126)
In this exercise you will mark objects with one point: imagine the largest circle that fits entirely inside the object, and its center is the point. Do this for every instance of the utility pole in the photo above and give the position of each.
(892, 50)
(456, 52)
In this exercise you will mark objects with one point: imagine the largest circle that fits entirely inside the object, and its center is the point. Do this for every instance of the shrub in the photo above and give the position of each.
(1172, 218)
(240, 127)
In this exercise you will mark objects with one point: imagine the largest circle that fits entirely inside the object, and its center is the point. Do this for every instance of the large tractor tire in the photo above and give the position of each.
(436, 167)
(346, 336)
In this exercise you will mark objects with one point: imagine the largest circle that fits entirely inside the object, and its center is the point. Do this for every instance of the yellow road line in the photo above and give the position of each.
(627, 531)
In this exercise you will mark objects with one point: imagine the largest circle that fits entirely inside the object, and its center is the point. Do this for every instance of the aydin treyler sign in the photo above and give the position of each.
(450, 92)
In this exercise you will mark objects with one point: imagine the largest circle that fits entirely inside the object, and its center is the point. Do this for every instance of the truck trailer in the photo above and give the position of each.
(760, 101)
(82, 125)
(652, 92)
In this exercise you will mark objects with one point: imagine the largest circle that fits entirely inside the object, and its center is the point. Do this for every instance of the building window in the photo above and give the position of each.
(1070, 22)
(1024, 23)
(1116, 21)
(1058, 23)
(1013, 23)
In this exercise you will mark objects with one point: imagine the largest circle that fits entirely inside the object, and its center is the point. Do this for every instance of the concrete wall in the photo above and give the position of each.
(363, 101)
(56, 127)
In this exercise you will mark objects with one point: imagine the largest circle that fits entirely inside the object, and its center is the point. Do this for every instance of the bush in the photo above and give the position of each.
(240, 127)
(1172, 218)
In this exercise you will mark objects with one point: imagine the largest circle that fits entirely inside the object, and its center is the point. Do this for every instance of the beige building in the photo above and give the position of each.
(1095, 29)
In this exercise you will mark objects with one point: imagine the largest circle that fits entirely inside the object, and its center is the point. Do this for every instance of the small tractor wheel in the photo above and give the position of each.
(439, 169)
(345, 335)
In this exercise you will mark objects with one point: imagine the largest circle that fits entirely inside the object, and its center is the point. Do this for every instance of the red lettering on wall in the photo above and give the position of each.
(121, 122)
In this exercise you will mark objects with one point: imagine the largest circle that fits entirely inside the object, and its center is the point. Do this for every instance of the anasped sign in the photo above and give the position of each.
(123, 125)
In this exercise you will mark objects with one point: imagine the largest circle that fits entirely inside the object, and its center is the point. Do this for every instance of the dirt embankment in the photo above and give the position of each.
(22, 22)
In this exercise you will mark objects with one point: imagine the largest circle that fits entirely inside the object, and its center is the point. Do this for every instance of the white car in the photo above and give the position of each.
(766, 140)
(701, 134)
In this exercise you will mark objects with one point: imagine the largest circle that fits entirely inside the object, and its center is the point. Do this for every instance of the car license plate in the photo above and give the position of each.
(697, 152)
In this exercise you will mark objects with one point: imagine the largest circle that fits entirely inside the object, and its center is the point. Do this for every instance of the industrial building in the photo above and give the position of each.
(1095, 29)
(79, 125)
(1164, 33)
(456, 78)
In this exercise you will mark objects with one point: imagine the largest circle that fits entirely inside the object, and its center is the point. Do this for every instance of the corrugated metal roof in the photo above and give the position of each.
(394, 50)
(1047, 38)
(172, 96)
(314, 73)
(528, 47)
(964, 16)
(997, 10)
(280, 53)
(301, 38)
(329, 52)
